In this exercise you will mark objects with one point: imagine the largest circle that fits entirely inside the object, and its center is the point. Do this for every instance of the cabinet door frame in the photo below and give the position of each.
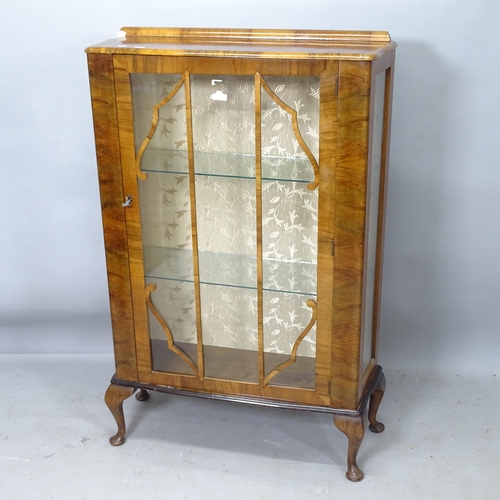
(327, 71)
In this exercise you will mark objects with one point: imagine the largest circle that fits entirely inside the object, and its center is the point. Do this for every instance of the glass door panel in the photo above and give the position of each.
(159, 117)
(372, 216)
(214, 309)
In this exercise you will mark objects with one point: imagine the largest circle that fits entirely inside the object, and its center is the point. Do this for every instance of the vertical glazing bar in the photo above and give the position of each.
(194, 233)
(258, 204)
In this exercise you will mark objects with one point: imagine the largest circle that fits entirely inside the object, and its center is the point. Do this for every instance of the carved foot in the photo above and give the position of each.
(142, 395)
(114, 398)
(375, 399)
(354, 429)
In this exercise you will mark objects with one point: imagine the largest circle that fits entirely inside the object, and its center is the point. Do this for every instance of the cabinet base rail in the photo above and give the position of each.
(351, 422)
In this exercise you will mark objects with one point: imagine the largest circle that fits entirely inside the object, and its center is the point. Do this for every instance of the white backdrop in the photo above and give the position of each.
(442, 272)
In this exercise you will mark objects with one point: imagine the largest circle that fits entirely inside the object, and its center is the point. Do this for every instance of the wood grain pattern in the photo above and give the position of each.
(238, 44)
(326, 218)
(217, 65)
(354, 429)
(248, 36)
(375, 400)
(295, 127)
(102, 88)
(133, 218)
(170, 339)
(123, 67)
(346, 63)
(350, 207)
(258, 225)
(154, 123)
(114, 398)
(342, 164)
(259, 400)
(300, 338)
(194, 224)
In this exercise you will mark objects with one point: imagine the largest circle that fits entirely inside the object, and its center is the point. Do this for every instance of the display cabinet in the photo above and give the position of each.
(243, 181)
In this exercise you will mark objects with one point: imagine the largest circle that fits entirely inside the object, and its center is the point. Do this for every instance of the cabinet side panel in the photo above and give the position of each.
(113, 214)
(350, 206)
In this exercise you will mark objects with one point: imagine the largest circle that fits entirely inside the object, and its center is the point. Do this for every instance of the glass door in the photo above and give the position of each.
(228, 174)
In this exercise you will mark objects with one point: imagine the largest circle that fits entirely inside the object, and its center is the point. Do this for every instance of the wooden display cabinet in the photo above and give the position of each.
(243, 180)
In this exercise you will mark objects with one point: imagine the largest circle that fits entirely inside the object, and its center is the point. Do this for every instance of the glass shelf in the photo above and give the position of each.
(231, 270)
(294, 168)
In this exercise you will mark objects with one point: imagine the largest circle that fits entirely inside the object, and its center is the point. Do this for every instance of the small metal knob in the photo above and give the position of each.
(128, 201)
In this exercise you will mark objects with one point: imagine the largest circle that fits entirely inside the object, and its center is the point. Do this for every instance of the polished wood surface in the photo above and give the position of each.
(114, 398)
(341, 217)
(133, 220)
(233, 43)
(354, 429)
(258, 225)
(351, 422)
(259, 401)
(102, 88)
(326, 219)
(247, 36)
(124, 66)
(334, 381)
(375, 400)
(350, 206)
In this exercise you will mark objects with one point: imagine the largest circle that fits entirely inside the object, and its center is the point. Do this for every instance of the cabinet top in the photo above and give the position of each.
(254, 43)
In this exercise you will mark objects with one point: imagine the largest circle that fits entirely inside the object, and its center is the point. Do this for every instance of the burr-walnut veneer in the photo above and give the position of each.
(243, 180)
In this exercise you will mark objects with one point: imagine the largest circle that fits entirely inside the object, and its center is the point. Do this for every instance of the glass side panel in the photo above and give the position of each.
(372, 216)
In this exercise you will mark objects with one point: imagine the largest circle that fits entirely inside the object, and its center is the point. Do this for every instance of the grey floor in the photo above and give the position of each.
(441, 441)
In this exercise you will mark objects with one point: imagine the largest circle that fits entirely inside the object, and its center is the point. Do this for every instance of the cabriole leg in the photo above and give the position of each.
(354, 429)
(114, 398)
(375, 399)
